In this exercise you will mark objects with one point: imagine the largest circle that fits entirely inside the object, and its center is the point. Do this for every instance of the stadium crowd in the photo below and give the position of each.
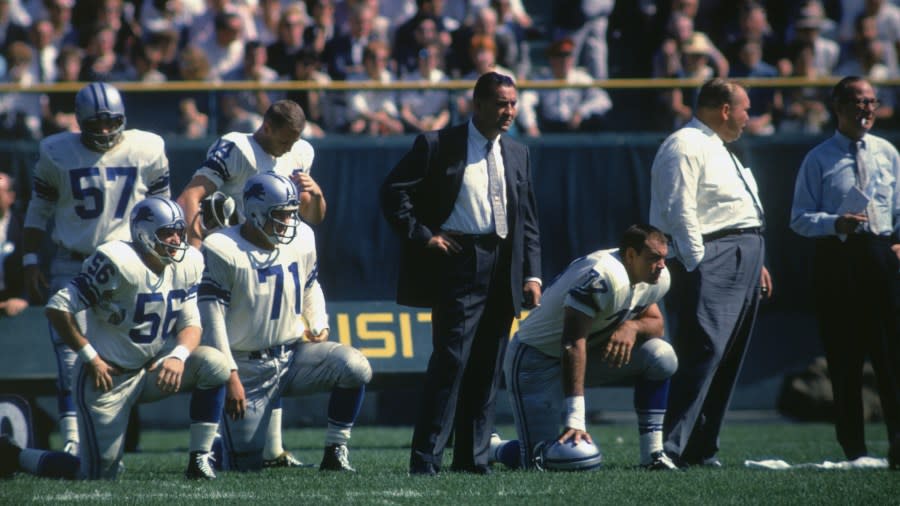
(322, 41)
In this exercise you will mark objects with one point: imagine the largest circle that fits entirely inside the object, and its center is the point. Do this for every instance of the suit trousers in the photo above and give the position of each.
(858, 305)
(471, 319)
(715, 309)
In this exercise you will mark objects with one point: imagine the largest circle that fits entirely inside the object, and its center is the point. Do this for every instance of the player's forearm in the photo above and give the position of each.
(213, 316)
(649, 324)
(64, 324)
(189, 200)
(574, 360)
(189, 337)
(312, 210)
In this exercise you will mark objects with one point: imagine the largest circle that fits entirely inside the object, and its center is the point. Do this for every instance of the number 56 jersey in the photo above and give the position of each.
(90, 194)
(132, 312)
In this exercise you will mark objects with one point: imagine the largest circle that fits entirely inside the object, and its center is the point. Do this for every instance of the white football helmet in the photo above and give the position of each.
(98, 102)
(268, 192)
(152, 216)
(553, 456)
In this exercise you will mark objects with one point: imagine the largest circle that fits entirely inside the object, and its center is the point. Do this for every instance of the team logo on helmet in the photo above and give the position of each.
(265, 194)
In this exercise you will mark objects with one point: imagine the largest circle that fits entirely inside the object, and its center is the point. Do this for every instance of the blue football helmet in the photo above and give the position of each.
(99, 105)
(268, 192)
(155, 216)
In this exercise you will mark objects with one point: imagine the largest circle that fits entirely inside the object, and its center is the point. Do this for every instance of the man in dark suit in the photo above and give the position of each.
(12, 282)
(462, 201)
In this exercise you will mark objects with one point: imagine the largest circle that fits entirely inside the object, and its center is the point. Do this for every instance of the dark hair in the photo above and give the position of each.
(285, 114)
(715, 93)
(841, 91)
(487, 84)
(637, 235)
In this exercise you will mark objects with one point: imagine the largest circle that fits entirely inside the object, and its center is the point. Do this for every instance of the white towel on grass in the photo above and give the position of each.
(860, 463)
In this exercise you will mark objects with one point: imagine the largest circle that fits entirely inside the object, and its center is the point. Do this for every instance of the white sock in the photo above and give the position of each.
(337, 434)
(202, 436)
(29, 459)
(68, 428)
(651, 442)
(274, 445)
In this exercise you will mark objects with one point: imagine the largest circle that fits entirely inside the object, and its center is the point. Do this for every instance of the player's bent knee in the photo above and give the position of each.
(662, 362)
(212, 367)
(355, 366)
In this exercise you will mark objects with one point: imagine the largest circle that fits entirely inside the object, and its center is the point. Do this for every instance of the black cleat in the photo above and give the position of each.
(286, 459)
(336, 458)
(200, 466)
(9, 457)
(660, 461)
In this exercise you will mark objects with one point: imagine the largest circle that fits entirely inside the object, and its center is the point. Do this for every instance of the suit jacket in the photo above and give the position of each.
(13, 273)
(419, 194)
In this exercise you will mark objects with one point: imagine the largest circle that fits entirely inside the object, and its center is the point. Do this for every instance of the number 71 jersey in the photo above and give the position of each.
(90, 194)
(132, 312)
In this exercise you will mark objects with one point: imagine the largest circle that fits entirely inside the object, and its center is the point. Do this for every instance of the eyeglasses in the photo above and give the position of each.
(866, 102)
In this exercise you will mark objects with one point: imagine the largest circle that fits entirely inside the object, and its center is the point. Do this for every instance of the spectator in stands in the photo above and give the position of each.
(518, 26)
(58, 110)
(20, 113)
(763, 99)
(203, 27)
(243, 110)
(667, 61)
(434, 9)
(145, 62)
(564, 109)
(101, 62)
(283, 52)
(754, 26)
(407, 58)
(484, 23)
(826, 52)
(693, 63)
(586, 23)
(380, 24)
(193, 66)
(112, 13)
(164, 15)
(344, 53)
(60, 14)
(12, 281)
(267, 18)
(483, 52)
(10, 31)
(225, 51)
(887, 21)
(43, 66)
(315, 103)
(166, 43)
(369, 111)
(804, 109)
(322, 28)
(426, 110)
(866, 59)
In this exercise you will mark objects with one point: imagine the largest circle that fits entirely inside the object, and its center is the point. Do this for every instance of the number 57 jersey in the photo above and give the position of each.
(90, 194)
(132, 312)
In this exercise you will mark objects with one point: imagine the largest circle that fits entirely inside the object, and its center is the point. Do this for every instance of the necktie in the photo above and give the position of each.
(862, 181)
(756, 203)
(495, 193)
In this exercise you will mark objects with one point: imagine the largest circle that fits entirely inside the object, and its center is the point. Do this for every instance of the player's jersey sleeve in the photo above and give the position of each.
(225, 160)
(303, 154)
(99, 277)
(45, 191)
(313, 297)
(214, 297)
(591, 294)
(156, 171)
(191, 275)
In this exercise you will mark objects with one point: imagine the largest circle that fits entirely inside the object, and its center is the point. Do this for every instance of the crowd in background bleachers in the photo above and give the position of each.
(321, 41)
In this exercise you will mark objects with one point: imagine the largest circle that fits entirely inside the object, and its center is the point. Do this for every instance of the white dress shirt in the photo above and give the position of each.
(696, 189)
(472, 210)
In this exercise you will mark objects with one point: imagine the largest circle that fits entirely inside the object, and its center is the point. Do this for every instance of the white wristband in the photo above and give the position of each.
(180, 352)
(87, 353)
(30, 259)
(575, 412)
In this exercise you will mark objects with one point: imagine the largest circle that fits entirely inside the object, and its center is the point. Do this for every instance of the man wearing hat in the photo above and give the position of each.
(564, 109)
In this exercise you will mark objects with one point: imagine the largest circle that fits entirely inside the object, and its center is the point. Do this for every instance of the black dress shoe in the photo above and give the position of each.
(894, 454)
(426, 469)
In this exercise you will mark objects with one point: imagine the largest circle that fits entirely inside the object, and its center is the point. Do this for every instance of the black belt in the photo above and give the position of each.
(484, 240)
(725, 232)
(74, 255)
(273, 352)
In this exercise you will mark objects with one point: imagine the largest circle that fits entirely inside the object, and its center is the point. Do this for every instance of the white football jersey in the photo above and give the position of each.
(90, 194)
(266, 294)
(596, 285)
(236, 157)
(131, 311)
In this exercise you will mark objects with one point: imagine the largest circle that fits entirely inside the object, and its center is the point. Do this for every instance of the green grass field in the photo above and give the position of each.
(380, 455)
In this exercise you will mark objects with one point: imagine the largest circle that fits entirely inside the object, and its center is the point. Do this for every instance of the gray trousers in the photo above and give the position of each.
(714, 309)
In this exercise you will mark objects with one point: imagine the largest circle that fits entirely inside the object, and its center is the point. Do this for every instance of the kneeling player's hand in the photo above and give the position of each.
(575, 435)
(102, 373)
(235, 399)
(171, 370)
(322, 337)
